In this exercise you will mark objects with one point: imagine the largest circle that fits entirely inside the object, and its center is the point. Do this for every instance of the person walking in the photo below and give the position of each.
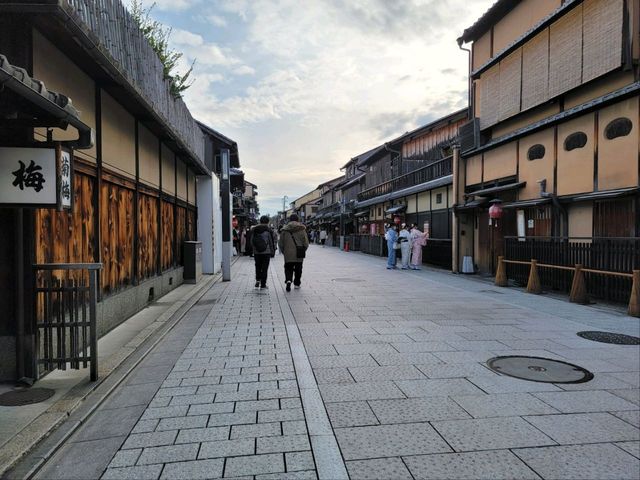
(391, 236)
(323, 236)
(404, 238)
(418, 240)
(293, 244)
(263, 244)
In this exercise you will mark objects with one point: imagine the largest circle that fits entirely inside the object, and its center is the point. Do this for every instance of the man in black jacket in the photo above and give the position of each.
(263, 243)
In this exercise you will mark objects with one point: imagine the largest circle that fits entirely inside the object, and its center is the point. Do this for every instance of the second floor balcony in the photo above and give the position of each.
(435, 170)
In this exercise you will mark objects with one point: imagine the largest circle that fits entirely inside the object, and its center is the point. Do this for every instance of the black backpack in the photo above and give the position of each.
(261, 241)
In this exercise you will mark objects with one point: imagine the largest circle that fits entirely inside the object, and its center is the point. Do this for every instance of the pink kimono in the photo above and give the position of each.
(418, 240)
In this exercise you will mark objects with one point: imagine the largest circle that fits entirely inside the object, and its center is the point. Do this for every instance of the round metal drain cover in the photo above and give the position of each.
(538, 369)
(606, 337)
(17, 398)
(348, 280)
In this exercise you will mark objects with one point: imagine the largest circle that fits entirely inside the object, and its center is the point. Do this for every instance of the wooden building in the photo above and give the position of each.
(554, 134)
(134, 190)
(411, 178)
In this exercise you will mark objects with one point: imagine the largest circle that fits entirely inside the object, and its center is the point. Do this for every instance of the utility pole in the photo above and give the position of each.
(284, 207)
(226, 215)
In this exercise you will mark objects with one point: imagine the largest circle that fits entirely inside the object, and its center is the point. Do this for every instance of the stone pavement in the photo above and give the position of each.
(367, 373)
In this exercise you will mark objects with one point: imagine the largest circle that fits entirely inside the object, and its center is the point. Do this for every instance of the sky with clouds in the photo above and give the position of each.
(305, 85)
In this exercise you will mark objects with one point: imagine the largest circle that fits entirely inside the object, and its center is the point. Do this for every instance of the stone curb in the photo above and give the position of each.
(329, 462)
(46, 423)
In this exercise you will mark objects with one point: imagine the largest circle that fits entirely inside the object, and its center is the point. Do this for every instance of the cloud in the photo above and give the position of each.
(174, 5)
(328, 80)
(244, 70)
(217, 20)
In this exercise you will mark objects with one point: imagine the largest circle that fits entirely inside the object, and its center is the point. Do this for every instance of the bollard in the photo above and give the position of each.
(579, 287)
(533, 286)
(634, 300)
(501, 273)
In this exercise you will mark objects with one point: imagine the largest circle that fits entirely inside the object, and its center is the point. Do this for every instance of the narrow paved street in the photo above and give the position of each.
(367, 373)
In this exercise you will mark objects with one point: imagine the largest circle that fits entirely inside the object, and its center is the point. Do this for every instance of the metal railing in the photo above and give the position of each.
(65, 310)
(438, 169)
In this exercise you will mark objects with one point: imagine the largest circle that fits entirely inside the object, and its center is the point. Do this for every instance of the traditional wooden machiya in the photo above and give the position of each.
(134, 189)
(554, 135)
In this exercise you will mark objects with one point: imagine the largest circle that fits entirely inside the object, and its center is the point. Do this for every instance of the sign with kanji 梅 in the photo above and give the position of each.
(36, 177)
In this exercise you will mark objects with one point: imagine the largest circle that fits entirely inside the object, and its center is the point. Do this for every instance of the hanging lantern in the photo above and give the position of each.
(495, 210)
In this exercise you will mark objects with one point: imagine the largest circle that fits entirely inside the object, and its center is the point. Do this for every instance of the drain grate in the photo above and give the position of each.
(607, 337)
(348, 280)
(27, 396)
(538, 369)
(492, 291)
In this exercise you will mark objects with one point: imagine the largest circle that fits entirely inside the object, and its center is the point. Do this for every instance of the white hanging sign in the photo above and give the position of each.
(36, 177)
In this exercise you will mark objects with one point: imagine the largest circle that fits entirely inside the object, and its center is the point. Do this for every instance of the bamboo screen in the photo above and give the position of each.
(535, 71)
(490, 97)
(565, 53)
(602, 48)
(510, 84)
(586, 43)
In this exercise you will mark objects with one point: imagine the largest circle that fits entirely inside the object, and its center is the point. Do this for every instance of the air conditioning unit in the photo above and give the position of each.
(469, 135)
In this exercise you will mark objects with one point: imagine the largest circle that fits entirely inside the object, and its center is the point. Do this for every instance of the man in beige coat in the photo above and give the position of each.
(292, 236)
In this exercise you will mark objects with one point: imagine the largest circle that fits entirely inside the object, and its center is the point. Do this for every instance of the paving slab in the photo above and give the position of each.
(497, 465)
(378, 468)
(368, 381)
(578, 462)
(389, 441)
(490, 434)
(584, 428)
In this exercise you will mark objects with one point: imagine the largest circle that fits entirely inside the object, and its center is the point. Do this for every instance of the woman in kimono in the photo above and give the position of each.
(418, 240)
(404, 238)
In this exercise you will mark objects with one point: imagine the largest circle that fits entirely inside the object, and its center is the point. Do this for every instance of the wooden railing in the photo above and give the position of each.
(438, 169)
(597, 253)
(579, 292)
(110, 25)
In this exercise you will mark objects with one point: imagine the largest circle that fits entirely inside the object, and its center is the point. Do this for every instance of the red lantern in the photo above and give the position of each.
(495, 211)
(397, 220)
(234, 222)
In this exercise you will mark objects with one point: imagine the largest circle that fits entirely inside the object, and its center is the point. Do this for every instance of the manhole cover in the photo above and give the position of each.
(606, 337)
(348, 280)
(27, 396)
(538, 369)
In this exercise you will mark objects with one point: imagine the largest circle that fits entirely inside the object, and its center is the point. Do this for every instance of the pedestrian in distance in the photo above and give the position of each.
(263, 244)
(391, 236)
(418, 240)
(293, 244)
(404, 239)
(323, 237)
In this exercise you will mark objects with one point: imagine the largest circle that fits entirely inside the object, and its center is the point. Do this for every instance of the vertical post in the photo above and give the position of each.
(501, 273)
(93, 324)
(578, 287)
(533, 285)
(226, 215)
(634, 300)
(455, 239)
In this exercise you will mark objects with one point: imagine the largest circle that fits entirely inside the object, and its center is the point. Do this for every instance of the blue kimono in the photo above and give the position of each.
(392, 237)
